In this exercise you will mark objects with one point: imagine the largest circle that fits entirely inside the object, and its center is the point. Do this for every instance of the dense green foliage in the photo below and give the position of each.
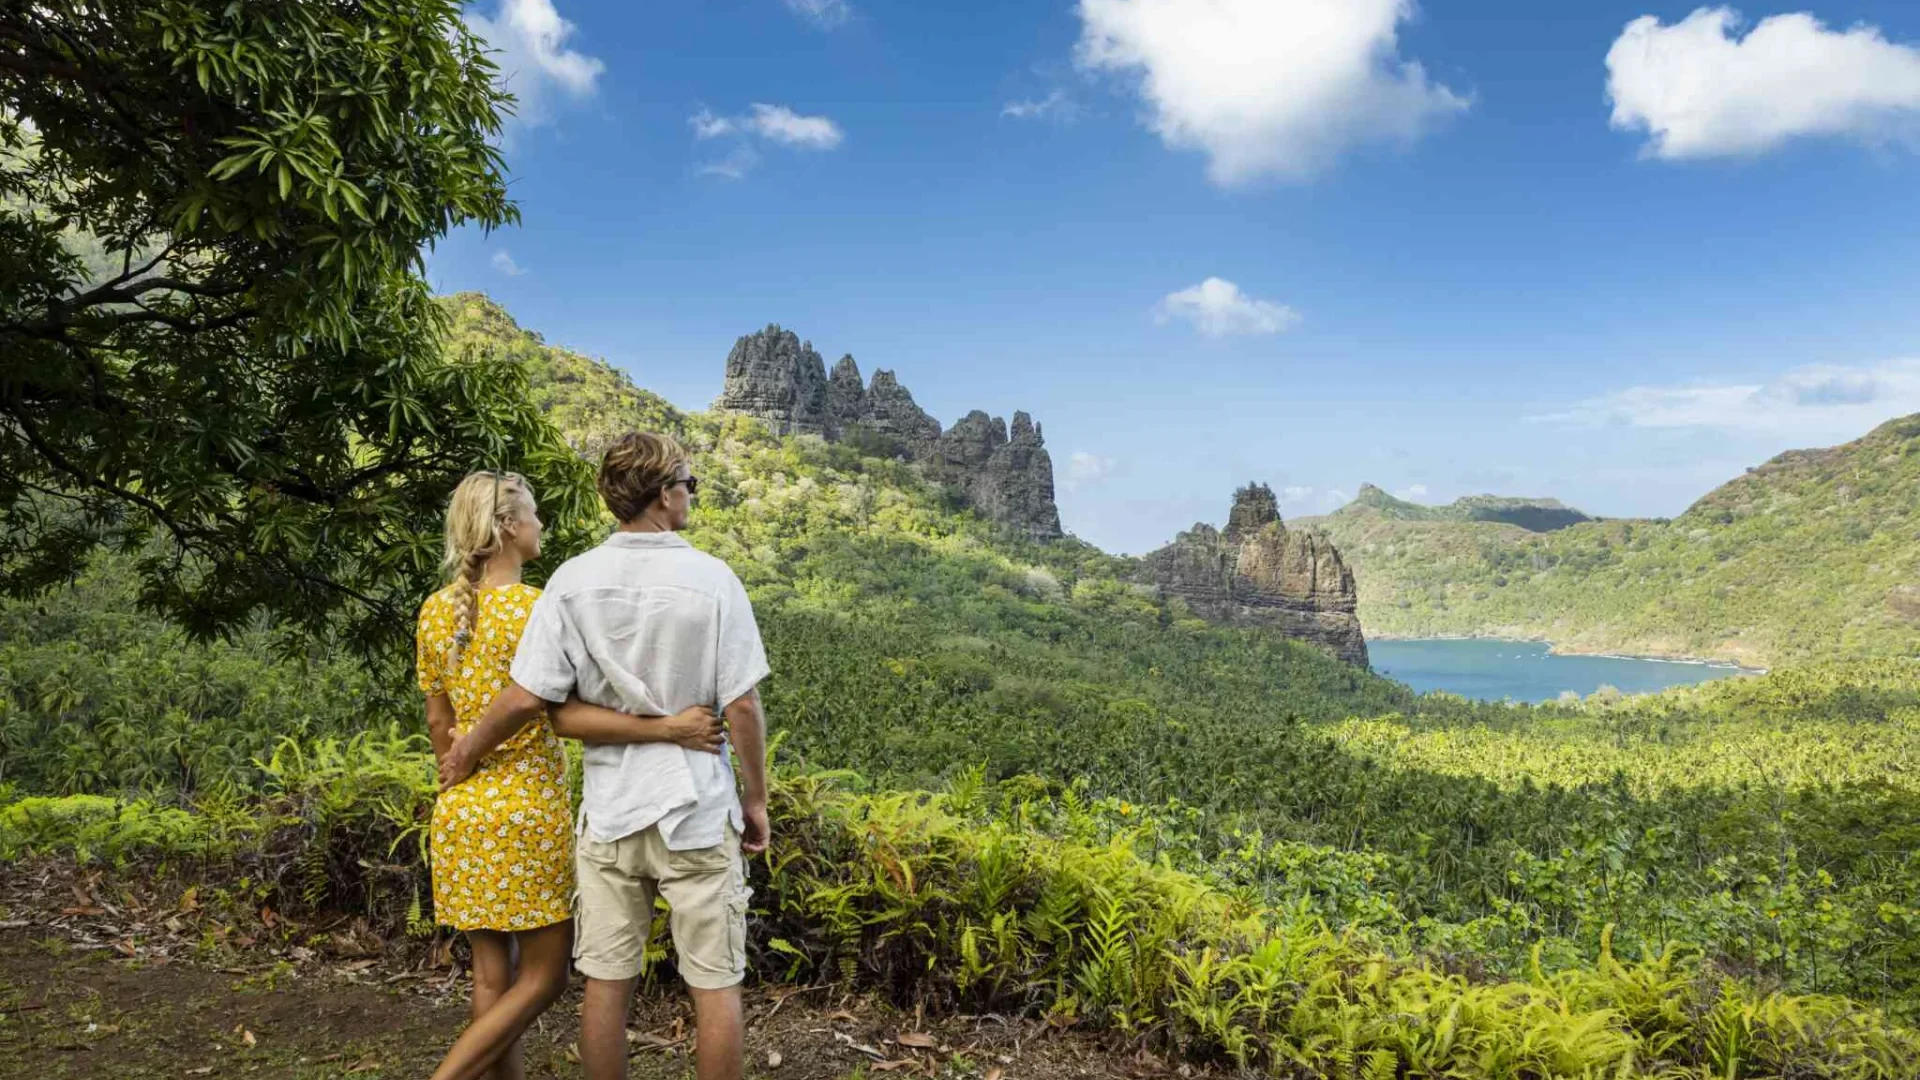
(1810, 556)
(216, 350)
(592, 404)
(992, 899)
(1143, 788)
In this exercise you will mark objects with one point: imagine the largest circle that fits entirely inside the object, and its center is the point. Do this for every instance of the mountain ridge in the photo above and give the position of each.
(1531, 514)
(1814, 553)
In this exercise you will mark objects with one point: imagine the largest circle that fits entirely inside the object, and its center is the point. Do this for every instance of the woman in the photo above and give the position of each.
(502, 841)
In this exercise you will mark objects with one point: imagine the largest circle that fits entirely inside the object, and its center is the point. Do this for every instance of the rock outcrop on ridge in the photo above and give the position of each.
(1007, 475)
(1259, 573)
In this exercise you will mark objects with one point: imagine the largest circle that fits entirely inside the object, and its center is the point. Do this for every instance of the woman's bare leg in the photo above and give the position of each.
(495, 964)
(542, 977)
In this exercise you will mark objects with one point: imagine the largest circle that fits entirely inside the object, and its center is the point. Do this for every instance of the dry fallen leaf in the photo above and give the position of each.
(889, 1066)
(201, 1071)
(247, 1037)
(845, 1016)
(917, 1040)
(995, 1073)
(365, 1065)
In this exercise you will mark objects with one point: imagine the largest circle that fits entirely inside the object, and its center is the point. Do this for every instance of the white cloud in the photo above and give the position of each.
(1334, 499)
(825, 14)
(1415, 491)
(1294, 493)
(780, 124)
(708, 126)
(1217, 308)
(503, 261)
(737, 164)
(1699, 92)
(1266, 87)
(534, 62)
(771, 123)
(1084, 468)
(1817, 400)
(1055, 106)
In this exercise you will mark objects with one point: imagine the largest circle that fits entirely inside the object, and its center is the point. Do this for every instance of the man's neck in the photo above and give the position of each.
(646, 523)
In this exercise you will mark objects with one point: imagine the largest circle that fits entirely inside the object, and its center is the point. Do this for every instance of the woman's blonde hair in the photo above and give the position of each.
(482, 507)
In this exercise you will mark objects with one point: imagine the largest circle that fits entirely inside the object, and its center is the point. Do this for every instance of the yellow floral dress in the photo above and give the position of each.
(502, 840)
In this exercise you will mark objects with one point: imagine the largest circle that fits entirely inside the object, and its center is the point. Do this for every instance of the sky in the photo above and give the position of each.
(1609, 252)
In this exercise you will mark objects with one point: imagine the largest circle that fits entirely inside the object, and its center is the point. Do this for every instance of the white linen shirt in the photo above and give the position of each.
(648, 625)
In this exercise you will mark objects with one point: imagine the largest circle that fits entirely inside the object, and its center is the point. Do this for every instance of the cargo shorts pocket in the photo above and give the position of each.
(737, 926)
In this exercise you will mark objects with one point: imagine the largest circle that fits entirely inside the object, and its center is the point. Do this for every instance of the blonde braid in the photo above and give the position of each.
(483, 505)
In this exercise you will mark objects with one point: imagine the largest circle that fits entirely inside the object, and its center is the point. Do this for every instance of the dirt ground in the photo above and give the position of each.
(134, 980)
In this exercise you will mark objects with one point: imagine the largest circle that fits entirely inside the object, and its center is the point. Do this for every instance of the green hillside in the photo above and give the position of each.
(1053, 793)
(1815, 554)
(1533, 515)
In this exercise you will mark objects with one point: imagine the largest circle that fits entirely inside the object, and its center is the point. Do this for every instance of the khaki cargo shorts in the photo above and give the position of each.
(705, 887)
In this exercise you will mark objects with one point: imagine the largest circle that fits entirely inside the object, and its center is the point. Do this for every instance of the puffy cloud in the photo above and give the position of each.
(1294, 493)
(1817, 400)
(1415, 491)
(708, 126)
(737, 164)
(1055, 106)
(1699, 91)
(1217, 308)
(1084, 468)
(503, 261)
(1266, 88)
(771, 123)
(825, 14)
(535, 63)
(777, 123)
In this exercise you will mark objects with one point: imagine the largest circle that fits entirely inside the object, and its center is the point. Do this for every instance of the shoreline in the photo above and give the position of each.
(1558, 650)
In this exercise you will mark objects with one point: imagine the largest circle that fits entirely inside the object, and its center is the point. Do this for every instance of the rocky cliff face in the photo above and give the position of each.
(775, 376)
(1005, 475)
(1259, 573)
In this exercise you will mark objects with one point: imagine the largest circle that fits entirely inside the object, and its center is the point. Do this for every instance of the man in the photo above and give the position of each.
(650, 626)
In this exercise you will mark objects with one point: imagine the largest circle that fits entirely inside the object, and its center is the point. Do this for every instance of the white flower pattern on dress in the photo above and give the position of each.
(503, 840)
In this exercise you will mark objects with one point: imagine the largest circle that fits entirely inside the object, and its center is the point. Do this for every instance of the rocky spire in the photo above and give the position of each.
(846, 394)
(1006, 476)
(891, 411)
(775, 376)
(1258, 573)
(1254, 508)
(1018, 481)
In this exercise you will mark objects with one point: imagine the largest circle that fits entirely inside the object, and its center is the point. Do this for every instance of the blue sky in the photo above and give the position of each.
(1609, 252)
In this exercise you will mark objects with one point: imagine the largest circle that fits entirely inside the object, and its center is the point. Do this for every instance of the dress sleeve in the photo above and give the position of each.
(544, 663)
(429, 646)
(742, 657)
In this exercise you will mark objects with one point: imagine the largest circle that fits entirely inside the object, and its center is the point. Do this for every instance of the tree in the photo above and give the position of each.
(216, 346)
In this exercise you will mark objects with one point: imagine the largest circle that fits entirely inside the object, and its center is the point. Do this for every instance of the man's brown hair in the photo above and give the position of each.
(634, 471)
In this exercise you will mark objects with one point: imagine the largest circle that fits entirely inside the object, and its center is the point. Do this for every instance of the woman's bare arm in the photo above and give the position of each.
(439, 724)
(696, 728)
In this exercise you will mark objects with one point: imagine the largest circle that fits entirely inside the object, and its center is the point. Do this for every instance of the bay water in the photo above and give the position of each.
(1495, 670)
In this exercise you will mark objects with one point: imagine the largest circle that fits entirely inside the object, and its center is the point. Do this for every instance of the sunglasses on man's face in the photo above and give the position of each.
(692, 482)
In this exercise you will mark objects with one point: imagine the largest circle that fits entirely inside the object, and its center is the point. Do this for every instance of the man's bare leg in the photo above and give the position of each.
(719, 1027)
(603, 1028)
